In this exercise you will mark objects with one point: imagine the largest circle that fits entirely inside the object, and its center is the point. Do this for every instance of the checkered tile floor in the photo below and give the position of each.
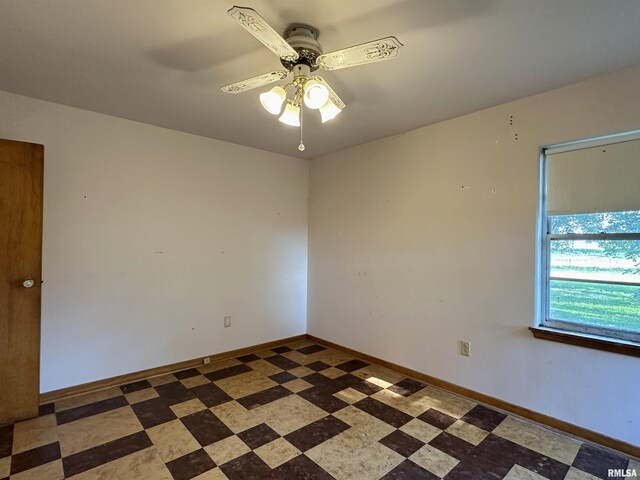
(294, 412)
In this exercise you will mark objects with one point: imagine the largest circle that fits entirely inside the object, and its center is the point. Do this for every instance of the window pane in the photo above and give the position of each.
(591, 303)
(596, 304)
(608, 222)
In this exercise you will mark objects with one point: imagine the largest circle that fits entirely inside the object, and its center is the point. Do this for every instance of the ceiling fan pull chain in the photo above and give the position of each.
(301, 146)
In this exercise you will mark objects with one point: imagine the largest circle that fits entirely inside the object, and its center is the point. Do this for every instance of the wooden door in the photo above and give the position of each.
(21, 169)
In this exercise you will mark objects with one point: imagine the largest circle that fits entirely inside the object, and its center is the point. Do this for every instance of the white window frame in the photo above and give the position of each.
(544, 237)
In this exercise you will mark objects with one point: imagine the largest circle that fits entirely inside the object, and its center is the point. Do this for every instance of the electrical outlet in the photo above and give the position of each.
(227, 321)
(206, 360)
(465, 348)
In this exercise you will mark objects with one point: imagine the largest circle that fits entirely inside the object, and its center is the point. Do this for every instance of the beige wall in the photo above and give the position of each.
(152, 236)
(423, 239)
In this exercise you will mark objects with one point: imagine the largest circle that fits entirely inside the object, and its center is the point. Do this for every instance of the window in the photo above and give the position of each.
(590, 239)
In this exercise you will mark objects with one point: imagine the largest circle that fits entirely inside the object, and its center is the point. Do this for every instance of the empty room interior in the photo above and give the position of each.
(352, 240)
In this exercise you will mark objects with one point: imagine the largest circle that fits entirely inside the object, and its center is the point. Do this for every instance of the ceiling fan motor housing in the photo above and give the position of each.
(304, 40)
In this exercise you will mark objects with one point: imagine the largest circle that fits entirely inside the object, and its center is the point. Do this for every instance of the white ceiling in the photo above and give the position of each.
(162, 61)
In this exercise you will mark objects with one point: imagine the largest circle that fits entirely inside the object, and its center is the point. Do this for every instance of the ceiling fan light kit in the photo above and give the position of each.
(301, 54)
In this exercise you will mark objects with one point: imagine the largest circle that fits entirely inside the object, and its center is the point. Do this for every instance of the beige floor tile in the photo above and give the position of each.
(301, 371)
(143, 465)
(350, 395)
(635, 465)
(162, 379)
(277, 452)
(352, 455)
(575, 474)
(172, 440)
(332, 372)
(265, 353)
(468, 432)
(520, 473)
(48, 471)
(432, 459)
(445, 402)
(219, 365)
(538, 439)
(414, 405)
(34, 433)
(97, 429)
(226, 450)
(5, 467)
(245, 384)
(86, 399)
(297, 385)
(195, 381)
(264, 367)
(378, 375)
(300, 344)
(215, 474)
(296, 357)
(289, 414)
(141, 395)
(187, 408)
(365, 424)
(328, 356)
(236, 417)
(421, 430)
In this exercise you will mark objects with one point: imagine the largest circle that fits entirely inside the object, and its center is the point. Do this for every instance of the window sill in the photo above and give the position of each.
(588, 341)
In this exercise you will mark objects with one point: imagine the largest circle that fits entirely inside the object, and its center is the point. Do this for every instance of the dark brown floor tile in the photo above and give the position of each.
(228, 372)
(257, 436)
(311, 349)
(452, 445)
(205, 427)
(262, 398)
(281, 349)
(300, 468)
(317, 432)
(345, 381)
(400, 442)
(367, 388)
(407, 387)
(191, 465)
(477, 470)
(210, 394)
(318, 379)
(323, 398)
(383, 412)
(6, 440)
(437, 419)
(408, 470)
(46, 409)
(484, 418)
(102, 406)
(352, 365)
(153, 412)
(283, 377)
(35, 457)
(135, 386)
(282, 362)
(93, 457)
(174, 392)
(247, 467)
(597, 461)
(191, 372)
(249, 358)
(317, 366)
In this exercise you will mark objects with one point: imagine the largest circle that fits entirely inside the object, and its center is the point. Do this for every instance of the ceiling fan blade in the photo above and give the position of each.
(255, 82)
(375, 51)
(332, 95)
(259, 28)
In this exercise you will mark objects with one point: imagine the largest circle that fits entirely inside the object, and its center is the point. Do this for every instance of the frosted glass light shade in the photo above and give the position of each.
(291, 115)
(329, 110)
(273, 99)
(315, 94)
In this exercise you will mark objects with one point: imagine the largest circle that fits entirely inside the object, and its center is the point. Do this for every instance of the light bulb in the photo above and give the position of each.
(273, 99)
(315, 94)
(291, 115)
(329, 110)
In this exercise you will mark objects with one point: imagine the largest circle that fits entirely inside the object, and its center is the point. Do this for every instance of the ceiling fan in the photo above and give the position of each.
(301, 55)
